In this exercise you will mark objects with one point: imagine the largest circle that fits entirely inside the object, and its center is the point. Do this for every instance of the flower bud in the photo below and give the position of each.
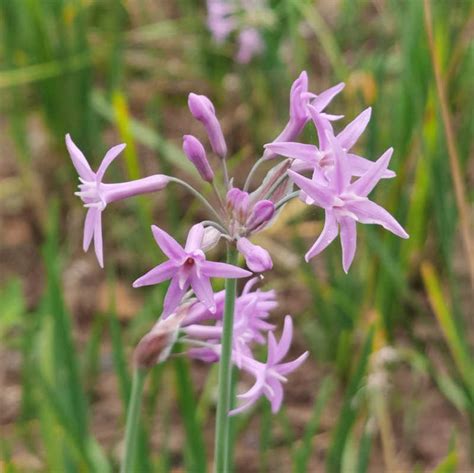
(203, 110)
(238, 202)
(211, 238)
(257, 258)
(201, 107)
(195, 152)
(207, 355)
(262, 212)
(156, 345)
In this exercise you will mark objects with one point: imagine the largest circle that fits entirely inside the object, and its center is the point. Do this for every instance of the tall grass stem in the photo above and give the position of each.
(133, 418)
(456, 172)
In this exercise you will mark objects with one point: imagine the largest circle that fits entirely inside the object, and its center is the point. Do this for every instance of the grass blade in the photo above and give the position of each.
(302, 454)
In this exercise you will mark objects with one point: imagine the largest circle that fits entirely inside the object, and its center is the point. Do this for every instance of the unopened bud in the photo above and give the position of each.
(201, 107)
(211, 238)
(203, 110)
(196, 153)
(207, 355)
(257, 258)
(262, 212)
(156, 345)
(274, 175)
(238, 202)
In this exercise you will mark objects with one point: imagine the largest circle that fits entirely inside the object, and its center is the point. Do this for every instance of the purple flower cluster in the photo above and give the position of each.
(225, 17)
(339, 181)
(328, 175)
(202, 329)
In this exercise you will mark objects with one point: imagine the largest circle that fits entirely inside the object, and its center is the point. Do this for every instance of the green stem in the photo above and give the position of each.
(252, 172)
(133, 417)
(226, 173)
(286, 199)
(199, 196)
(224, 402)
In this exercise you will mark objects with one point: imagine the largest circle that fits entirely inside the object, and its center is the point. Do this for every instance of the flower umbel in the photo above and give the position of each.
(221, 327)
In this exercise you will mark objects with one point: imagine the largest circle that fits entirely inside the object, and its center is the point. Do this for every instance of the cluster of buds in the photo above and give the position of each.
(328, 175)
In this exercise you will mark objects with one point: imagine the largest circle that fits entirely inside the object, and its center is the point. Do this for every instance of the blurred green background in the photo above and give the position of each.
(389, 386)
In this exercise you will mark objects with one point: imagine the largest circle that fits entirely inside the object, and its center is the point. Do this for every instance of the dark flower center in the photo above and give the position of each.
(189, 261)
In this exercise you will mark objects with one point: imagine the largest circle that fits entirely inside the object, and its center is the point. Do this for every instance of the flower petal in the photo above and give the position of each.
(322, 125)
(173, 297)
(366, 183)
(341, 172)
(158, 274)
(286, 368)
(291, 149)
(195, 237)
(169, 246)
(212, 269)
(244, 407)
(325, 98)
(348, 230)
(98, 238)
(286, 337)
(330, 116)
(321, 195)
(203, 290)
(369, 212)
(326, 237)
(111, 154)
(359, 166)
(276, 398)
(256, 390)
(297, 100)
(272, 353)
(78, 160)
(89, 225)
(351, 133)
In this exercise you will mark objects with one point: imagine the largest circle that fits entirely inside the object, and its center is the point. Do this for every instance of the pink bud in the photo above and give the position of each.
(196, 153)
(201, 107)
(238, 202)
(203, 110)
(257, 258)
(262, 212)
(207, 355)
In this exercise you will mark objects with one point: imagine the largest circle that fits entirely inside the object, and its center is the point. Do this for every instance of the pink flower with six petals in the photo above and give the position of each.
(187, 267)
(269, 376)
(96, 194)
(346, 202)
